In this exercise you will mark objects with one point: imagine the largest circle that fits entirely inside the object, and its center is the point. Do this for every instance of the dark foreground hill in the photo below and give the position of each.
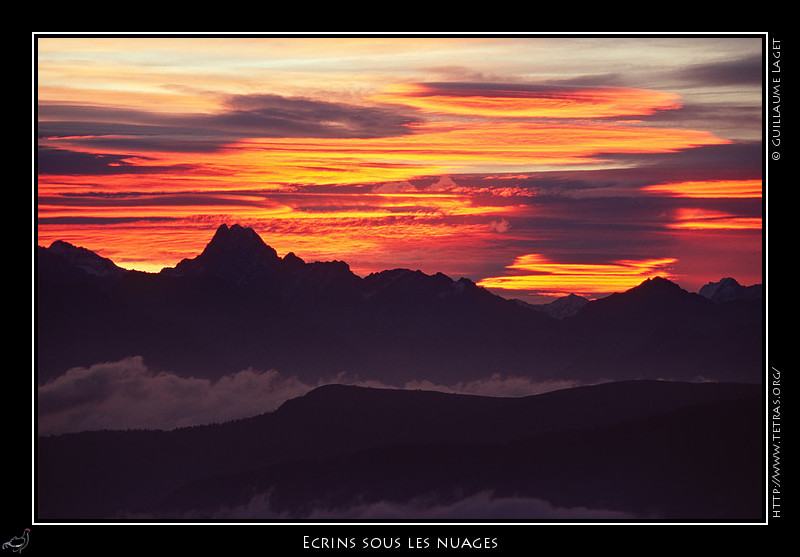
(238, 305)
(649, 449)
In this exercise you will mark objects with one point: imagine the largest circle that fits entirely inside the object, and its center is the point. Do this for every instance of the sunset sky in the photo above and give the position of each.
(535, 166)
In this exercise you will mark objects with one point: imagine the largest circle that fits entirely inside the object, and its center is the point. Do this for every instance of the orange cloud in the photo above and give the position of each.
(537, 102)
(447, 149)
(562, 126)
(557, 279)
(710, 189)
(699, 219)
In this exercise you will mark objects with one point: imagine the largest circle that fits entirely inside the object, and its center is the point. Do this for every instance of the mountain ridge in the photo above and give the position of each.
(239, 305)
(239, 246)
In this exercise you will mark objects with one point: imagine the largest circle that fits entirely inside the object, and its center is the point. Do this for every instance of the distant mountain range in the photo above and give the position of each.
(624, 450)
(566, 306)
(238, 305)
(728, 289)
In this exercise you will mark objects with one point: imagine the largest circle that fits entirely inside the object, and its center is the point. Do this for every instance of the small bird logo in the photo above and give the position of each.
(18, 543)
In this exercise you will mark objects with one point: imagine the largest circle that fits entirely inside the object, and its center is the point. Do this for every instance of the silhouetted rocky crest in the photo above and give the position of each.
(563, 307)
(65, 261)
(237, 254)
(405, 282)
(656, 286)
(654, 298)
(728, 289)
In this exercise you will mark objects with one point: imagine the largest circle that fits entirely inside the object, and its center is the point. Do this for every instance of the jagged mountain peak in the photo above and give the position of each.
(292, 259)
(239, 240)
(235, 253)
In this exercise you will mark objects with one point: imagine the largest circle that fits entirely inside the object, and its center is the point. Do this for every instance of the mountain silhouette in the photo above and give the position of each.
(565, 306)
(659, 327)
(238, 305)
(635, 447)
(235, 254)
(666, 422)
(653, 468)
(728, 289)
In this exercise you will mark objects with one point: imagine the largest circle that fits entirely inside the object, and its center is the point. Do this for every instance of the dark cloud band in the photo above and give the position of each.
(242, 117)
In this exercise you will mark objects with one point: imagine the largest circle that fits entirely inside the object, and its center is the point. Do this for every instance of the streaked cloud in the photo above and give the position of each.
(710, 189)
(238, 117)
(514, 100)
(700, 219)
(547, 277)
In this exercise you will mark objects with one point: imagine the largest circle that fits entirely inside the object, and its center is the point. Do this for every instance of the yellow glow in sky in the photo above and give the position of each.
(548, 277)
(539, 103)
(710, 189)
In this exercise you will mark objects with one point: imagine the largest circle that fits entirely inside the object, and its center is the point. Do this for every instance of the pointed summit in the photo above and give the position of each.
(237, 242)
(235, 253)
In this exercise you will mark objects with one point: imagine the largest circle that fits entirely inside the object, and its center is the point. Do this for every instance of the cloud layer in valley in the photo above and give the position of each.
(480, 506)
(128, 395)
